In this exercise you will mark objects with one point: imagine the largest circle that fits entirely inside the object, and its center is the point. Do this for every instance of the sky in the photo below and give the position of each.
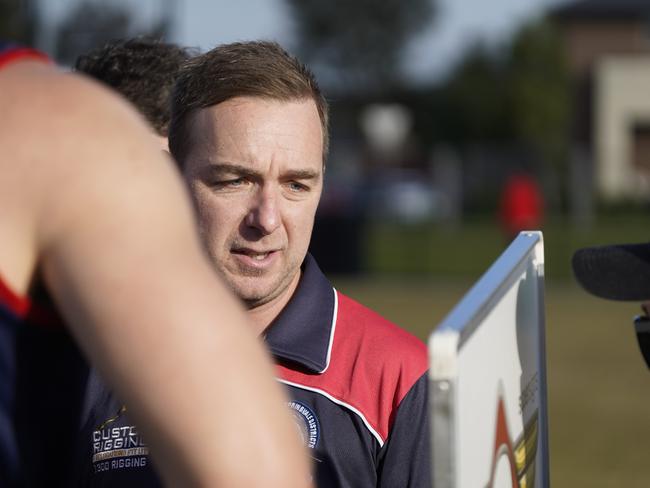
(206, 23)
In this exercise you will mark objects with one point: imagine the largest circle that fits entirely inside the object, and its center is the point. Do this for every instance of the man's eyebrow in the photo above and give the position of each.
(228, 168)
(301, 174)
(236, 169)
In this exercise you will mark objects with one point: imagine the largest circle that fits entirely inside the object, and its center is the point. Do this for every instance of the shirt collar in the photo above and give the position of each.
(303, 332)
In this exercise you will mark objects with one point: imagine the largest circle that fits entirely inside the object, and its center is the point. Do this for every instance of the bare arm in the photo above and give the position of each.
(112, 230)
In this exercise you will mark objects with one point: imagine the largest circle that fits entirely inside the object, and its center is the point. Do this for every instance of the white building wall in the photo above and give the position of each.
(621, 101)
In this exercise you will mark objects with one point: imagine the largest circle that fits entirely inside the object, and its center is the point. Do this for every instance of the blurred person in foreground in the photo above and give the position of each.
(93, 215)
(249, 131)
(619, 272)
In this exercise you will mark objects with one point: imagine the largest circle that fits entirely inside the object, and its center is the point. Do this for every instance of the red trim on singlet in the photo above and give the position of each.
(22, 54)
(16, 303)
(45, 316)
(39, 314)
(23, 307)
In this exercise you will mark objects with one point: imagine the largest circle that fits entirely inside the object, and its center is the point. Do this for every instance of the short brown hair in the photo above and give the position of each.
(141, 69)
(255, 68)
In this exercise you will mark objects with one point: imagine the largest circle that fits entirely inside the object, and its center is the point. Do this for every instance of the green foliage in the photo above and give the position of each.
(91, 24)
(474, 99)
(358, 42)
(517, 92)
(539, 90)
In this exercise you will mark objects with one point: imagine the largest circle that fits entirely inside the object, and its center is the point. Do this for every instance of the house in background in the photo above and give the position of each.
(607, 46)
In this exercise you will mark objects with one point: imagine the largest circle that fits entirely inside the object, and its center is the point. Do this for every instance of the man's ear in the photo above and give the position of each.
(163, 142)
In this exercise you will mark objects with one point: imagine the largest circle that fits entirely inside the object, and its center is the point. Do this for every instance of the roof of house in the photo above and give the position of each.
(602, 9)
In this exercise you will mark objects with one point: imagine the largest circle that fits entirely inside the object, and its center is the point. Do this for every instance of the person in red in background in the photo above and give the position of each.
(521, 206)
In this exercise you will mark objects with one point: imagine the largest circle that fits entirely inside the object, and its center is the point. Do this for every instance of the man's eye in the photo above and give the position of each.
(232, 183)
(297, 187)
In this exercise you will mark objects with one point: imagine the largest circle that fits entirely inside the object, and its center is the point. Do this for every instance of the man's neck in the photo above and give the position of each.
(263, 315)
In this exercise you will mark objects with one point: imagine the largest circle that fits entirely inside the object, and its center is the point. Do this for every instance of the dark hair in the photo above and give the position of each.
(255, 68)
(141, 69)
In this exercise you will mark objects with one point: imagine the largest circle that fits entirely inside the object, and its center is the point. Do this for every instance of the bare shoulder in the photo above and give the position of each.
(71, 149)
(50, 115)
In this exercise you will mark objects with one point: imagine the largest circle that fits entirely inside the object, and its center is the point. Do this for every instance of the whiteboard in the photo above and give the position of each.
(487, 396)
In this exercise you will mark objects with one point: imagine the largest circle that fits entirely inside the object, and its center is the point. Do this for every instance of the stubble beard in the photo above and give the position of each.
(256, 296)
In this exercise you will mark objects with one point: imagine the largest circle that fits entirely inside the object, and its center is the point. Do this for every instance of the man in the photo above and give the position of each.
(143, 70)
(619, 272)
(249, 131)
(92, 211)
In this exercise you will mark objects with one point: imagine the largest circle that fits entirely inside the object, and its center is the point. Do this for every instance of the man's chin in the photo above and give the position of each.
(253, 295)
(255, 300)
(255, 291)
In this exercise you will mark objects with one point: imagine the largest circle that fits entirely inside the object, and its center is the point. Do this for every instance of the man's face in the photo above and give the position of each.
(255, 170)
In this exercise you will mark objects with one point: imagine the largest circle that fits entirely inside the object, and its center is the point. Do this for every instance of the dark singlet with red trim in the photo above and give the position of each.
(10, 52)
(42, 374)
(12, 311)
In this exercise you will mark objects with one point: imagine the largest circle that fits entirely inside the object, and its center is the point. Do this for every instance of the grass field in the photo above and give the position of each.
(599, 387)
(468, 249)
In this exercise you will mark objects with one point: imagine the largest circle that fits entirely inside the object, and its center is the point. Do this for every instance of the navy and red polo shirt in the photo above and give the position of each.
(358, 390)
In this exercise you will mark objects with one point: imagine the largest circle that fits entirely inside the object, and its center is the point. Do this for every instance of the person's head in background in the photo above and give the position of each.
(619, 272)
(143, 70)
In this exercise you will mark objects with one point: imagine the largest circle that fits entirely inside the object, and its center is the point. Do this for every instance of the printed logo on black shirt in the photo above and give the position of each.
(118, 446)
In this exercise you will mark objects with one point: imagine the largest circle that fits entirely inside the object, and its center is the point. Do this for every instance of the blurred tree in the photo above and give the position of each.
(358, 44)
(18, 20)
(515, 92)
(540, 91)
(92, 23)
(473, 99)
(510, 99)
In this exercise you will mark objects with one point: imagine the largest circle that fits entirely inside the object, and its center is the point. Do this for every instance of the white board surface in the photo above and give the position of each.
(488, 378)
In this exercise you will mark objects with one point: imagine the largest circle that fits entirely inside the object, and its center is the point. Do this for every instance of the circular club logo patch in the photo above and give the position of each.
(306, 422)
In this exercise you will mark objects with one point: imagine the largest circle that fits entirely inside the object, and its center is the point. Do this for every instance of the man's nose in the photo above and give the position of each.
(264, 214)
